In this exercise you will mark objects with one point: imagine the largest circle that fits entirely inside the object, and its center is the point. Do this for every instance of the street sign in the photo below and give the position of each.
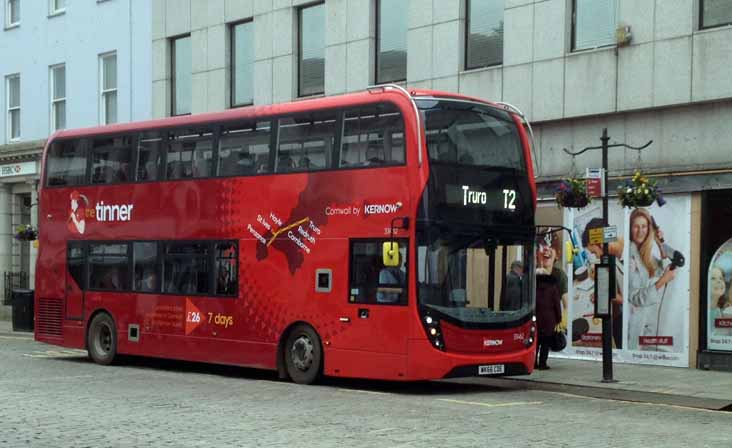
(596, 235)
(610, 234)
(594, 180)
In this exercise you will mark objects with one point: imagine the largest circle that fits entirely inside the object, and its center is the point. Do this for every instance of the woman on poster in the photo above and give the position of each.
(649, 279)
(721, 302)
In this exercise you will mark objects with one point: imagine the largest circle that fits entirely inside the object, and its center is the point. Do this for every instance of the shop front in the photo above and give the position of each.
(716, 308)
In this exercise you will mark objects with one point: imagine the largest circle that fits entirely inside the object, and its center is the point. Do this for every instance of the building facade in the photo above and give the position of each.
(64, 64)
(646, 70)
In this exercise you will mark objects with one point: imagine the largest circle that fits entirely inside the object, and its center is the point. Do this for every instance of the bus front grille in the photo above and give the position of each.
(50, 317)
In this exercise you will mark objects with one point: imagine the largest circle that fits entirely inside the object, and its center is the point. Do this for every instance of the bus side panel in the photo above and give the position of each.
(371, 365)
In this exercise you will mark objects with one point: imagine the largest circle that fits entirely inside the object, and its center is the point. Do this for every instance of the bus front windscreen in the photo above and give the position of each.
(474, 281)
(471, 134)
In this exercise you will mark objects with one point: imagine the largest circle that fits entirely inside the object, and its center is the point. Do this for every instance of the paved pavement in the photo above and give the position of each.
(638, 383)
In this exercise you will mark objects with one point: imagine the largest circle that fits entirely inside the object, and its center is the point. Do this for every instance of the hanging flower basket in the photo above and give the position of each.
(640, 192)
(572, 193)
(26, 233)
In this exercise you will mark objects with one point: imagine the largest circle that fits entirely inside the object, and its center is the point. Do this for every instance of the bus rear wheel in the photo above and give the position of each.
(303, 355)
(102, 339)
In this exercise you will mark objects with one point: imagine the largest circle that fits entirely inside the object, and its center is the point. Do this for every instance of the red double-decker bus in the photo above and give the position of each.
(379, 234)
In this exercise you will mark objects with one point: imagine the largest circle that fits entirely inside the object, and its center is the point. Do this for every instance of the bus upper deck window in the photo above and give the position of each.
(67, 163)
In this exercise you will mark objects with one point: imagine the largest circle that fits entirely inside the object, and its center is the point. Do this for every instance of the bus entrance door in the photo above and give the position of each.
(374, 322)
(373, 341)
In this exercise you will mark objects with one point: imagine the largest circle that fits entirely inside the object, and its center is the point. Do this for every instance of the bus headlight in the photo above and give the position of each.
(434, 334)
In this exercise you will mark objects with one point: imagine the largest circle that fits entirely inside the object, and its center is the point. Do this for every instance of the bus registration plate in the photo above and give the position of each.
(496, 369)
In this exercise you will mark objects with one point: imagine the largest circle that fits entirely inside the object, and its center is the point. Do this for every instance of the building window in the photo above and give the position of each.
(12, 13)
(242, 64)
(12, 88)
(391, 40)
(594, 23)
(181, 65)
(56, 6)
(58, 97)
(311, 62)
(108, 88)
(484, 37)
(715, 13)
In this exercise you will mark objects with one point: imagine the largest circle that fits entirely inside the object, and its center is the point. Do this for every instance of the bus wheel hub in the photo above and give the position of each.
(302, 353)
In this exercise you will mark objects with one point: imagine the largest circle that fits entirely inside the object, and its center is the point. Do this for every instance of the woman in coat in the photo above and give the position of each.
(548, 313)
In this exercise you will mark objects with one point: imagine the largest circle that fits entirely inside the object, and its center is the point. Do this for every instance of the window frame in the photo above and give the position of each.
(54, 9)
(103, 93)
(232, 62)
(406, 242)
(573, 37)
(11, 109)
(173, 77)
(9, 13)
(701, 19)
(377, 28)
(300, 58)
(466, 66)
(56, 101)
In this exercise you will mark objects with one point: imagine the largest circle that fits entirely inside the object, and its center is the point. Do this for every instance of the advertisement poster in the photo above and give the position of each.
(719, 320)
(651, 306)
(584, 328)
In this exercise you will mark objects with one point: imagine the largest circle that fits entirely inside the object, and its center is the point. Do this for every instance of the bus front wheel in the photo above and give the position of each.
(303, 355)
(102, 339)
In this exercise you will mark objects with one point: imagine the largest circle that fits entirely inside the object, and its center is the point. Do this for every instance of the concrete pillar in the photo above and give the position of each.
(6, 233)
(34, 222)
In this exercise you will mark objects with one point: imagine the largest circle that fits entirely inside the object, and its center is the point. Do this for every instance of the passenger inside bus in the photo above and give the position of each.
(285, 164)
(148, 281)
(374, 154)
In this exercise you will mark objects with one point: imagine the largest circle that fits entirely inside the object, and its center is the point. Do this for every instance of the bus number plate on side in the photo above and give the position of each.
(496, 369)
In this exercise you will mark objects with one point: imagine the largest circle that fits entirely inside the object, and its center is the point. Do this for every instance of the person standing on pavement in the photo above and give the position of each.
(548, 314)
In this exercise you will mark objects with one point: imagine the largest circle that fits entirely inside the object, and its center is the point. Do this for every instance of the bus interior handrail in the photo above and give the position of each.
(398, 88)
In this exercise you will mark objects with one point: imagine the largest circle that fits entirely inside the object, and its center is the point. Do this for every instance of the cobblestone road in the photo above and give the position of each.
(51, 397)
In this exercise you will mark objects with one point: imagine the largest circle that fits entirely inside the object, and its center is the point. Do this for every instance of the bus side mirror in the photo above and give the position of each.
(390, 254)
